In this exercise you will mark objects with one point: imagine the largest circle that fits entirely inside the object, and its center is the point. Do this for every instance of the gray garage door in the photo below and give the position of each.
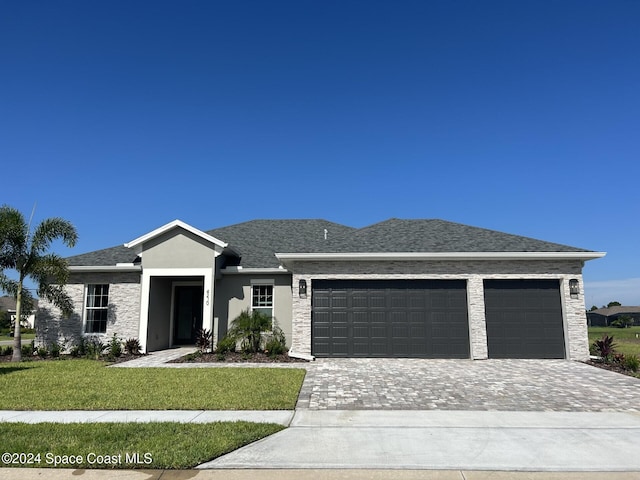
(390, 318)
(524, 319)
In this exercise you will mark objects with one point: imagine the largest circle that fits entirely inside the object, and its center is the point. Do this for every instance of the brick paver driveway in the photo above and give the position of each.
(516, 385)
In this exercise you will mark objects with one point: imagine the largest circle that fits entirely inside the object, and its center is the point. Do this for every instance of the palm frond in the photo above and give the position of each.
(52, 229)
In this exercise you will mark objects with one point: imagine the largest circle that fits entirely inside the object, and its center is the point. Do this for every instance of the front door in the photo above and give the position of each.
(187, 314)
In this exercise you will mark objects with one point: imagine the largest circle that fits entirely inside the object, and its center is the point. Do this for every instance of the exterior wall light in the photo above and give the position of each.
(574, 288)
(302, 289)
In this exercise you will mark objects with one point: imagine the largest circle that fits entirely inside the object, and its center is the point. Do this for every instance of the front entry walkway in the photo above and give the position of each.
(159, 358)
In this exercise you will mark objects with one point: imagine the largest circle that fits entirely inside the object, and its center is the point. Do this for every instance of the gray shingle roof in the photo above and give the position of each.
(107, 256)
(258, 240)
(616, 310)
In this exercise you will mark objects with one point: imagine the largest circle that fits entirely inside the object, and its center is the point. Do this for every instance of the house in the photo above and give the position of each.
(398, 288)
(603, 317)
(8, 304)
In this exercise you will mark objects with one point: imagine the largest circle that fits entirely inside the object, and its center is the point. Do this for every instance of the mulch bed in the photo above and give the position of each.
(613, 367)
(236, 357)
(35, 358)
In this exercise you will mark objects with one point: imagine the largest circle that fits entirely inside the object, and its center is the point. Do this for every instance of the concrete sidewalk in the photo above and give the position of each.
(282, 417)
(447, 440)
(368, 474)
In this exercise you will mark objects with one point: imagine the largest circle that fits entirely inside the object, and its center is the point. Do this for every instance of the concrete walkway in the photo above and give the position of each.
(446, 440)
(282, 417)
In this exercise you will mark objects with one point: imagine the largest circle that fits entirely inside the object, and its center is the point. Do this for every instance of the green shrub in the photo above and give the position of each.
(623, 321)
(203, 340)
(632, 362)
(132, 346)
(248, 328)
(277, 343)
(27, 349)
(8, 350)
(226, 344)
(55, 348)
(94, 348)
(42, 352)
(115, 347)
(79, 348)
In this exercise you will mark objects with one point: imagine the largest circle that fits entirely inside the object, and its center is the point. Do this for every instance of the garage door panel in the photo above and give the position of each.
(524, 319)
(392, 318)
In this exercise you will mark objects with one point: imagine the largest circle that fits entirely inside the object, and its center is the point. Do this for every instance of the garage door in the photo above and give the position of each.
(524, 319)
(390, 318)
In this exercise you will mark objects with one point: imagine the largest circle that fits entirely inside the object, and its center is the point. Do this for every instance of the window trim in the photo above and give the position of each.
(86, 308)
(267, 282)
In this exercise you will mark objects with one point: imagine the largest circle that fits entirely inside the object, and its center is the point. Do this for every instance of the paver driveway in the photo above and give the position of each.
(515, 385)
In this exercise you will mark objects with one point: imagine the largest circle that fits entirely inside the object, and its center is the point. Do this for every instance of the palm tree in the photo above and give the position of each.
(25, 251)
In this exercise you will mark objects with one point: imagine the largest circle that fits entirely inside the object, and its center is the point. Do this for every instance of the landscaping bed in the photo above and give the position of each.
(237, 357)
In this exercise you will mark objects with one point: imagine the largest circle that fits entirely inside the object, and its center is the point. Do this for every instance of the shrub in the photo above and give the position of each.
(55, 348)
(276, 344)
(115, 347)
(79, 348)
(8, 350)
(132, 346)
(632, 362)
(248, 328)
(203, 340)
(94, 348)
(27, 349)
(605, 347)
(226, 344)
(623, 321)
(42, 352)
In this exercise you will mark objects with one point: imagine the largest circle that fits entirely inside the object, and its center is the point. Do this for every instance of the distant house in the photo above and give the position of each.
(602, 317)
(8, 304)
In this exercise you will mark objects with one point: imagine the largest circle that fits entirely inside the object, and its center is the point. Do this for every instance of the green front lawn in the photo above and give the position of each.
(627, 339)
(23, 336)
(89, 385)
(126, 445)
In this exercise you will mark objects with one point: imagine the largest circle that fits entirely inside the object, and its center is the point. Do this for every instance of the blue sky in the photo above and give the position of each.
(516, 116)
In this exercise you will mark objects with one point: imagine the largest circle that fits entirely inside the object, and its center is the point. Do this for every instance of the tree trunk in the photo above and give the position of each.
(17, 338)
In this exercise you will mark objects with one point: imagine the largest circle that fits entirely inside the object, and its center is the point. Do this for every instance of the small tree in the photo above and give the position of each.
(614, 304)
(248, 327)
(25, 251)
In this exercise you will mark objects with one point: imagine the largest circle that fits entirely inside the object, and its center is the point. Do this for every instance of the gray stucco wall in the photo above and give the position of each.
(233, 295)
(178, 248)
(123, 316)
(474, 272)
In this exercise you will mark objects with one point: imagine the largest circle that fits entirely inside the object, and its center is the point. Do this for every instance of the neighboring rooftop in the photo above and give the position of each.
(258, 240)
(617, 310)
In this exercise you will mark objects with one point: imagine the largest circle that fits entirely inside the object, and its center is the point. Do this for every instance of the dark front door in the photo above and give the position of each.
(187, 313)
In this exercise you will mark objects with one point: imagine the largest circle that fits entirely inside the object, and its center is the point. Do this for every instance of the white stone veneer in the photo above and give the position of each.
(474, 272)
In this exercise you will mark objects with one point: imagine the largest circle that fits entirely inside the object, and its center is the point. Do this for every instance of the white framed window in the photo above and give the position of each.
(262, 298)
(96, 308)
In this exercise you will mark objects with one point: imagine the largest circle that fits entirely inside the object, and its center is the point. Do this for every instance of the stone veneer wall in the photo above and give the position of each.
(475, 272)
(124, 309)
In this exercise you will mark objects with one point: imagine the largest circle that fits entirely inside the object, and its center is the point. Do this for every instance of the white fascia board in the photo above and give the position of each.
(253, 271)
(171, 225)
(105, 268)
(380, 256)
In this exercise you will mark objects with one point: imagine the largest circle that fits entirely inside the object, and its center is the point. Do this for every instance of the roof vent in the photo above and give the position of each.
(325, 233)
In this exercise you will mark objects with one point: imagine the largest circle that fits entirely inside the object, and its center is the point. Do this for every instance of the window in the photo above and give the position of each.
(262, 299)
(97, 308)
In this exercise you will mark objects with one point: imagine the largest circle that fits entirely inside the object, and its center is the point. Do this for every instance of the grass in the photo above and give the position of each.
(23, 336)
(115, 445)
(626, 339)
(89, 385)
